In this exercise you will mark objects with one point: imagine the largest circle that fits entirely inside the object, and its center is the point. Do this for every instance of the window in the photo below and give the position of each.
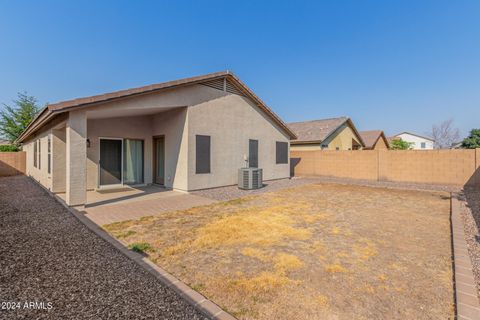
(324, 146)
(49, 151)
(423, 145)
(202, 154)
(282, 152)
(35, 154)
(39, 154)
(253, 153)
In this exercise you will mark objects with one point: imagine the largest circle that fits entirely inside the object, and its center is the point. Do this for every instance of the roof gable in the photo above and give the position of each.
(415, 135)
(224, 80)
(371, 137)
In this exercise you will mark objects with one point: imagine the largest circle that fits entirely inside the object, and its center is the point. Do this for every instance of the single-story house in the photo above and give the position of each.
(330, 134)
(418, 142)
(374, 140)
(186, 134)
(457, 145)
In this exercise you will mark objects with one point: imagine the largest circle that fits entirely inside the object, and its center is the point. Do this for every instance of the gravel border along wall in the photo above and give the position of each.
(50, 256)
(466, 293)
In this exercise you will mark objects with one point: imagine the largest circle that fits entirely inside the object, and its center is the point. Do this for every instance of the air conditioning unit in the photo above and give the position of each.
(250, 178)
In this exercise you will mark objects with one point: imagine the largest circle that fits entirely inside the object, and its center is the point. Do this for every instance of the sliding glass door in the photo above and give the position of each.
(110, 162)
(133, 161)
(121, 161)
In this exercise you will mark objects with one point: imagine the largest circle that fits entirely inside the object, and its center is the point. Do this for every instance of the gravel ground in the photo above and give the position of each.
(471, 221)
(48, 256)
(232, 192)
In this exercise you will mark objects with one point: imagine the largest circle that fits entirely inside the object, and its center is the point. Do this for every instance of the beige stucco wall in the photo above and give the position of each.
(170, 107)
(231, 121)
(173, 126)
(342, 140)
(178, 115)
(41, 175)
(59, 141)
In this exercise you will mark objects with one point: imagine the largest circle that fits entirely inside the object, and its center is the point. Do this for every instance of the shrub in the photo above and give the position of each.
(399, 144)
(473, 140)
(9, 148)
(140, 247)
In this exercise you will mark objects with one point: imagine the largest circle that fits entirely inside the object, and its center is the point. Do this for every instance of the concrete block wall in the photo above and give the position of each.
(12, 163)
(346, 164)
(449, 167)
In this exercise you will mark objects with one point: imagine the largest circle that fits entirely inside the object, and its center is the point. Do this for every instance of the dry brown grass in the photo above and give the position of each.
(318, 251)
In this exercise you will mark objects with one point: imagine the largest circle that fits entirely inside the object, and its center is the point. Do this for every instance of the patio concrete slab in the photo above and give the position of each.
(115, 205)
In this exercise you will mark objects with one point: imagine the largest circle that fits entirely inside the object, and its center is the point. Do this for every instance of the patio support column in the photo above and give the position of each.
(76, 158)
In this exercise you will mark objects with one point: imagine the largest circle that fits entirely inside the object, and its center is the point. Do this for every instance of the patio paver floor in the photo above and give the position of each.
(109, 206)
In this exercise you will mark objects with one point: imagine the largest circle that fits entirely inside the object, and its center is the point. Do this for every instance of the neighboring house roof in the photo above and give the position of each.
(417, 135)
(371, 137)
(64, 106)
(456, 145)
(318, 130)
(390, 139)
(4, 142)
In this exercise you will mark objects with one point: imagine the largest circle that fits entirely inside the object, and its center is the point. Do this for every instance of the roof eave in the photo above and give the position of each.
(305, 142)
(122, 94)
(35, 123)
(350, 122)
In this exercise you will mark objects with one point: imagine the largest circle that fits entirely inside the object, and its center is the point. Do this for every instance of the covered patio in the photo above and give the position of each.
(114, 151)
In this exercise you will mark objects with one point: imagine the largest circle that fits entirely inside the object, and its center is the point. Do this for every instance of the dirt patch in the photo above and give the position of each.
(315, 251)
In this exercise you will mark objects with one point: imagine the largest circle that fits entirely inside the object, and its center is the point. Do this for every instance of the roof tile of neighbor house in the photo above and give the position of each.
(111, 96)
(319, 130)
(371, 137)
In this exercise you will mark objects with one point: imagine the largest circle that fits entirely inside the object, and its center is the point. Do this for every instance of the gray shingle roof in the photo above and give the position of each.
(316, 130)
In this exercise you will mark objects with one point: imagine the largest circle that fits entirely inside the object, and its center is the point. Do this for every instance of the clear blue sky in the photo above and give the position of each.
(391, 65)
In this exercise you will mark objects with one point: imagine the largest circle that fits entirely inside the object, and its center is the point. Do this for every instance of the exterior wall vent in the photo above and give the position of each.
(231, 88)
(216, 84)
(250, 178)
(223, 84)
